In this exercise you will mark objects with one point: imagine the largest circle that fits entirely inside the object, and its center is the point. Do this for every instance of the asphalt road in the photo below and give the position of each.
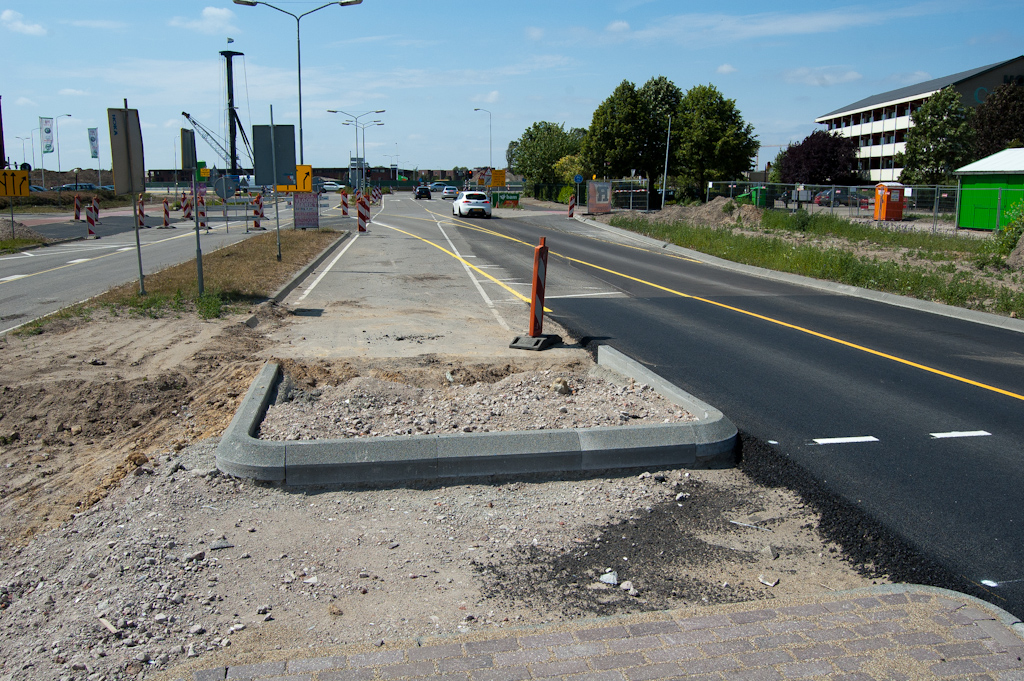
(915, 418)
(40, 281)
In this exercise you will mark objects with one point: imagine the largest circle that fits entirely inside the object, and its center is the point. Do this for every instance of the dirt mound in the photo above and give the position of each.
(720, 212)
(21, 232)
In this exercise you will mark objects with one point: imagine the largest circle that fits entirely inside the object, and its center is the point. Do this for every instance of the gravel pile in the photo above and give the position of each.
(538, 400)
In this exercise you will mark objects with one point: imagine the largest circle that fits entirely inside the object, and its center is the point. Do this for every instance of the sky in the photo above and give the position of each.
(428, 65)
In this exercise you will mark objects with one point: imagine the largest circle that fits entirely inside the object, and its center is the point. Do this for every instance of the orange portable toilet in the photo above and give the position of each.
(888, 201)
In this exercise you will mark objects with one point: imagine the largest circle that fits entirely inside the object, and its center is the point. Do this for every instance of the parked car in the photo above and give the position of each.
(331, 186)
(470, 204)
(80, 187)
(450, 192)
(422, 192)
(36, 188)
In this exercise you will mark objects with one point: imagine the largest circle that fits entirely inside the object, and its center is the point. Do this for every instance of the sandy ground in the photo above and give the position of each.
(125, 553)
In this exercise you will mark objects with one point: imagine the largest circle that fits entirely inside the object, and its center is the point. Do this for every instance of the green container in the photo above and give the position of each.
(759, 196)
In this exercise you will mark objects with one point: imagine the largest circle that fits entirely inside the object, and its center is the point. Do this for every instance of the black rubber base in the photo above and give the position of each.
(534, 342)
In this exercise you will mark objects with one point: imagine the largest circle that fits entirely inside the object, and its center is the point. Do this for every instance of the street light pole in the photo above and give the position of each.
(298, 48)
(56, 132)
(22, 147)
(355, 122)
(490, 141)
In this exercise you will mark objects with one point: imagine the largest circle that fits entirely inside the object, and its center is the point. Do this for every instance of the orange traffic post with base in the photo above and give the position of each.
(536, 340)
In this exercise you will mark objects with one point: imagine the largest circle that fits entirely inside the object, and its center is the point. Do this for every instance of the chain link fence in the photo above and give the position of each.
(937, 203)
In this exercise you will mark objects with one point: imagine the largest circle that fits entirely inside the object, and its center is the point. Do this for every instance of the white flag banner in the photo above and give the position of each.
(94, 142)
(46, 134)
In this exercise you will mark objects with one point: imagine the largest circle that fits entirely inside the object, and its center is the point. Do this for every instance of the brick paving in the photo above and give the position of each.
(890, 633)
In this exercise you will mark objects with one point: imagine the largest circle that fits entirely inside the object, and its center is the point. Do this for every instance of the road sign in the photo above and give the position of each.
(126, 151)
(14, 183)
(225, 186)
(305, 213)
(281, 154)
(578, 179)
(204, 172)
(303, 181)
(498, 178)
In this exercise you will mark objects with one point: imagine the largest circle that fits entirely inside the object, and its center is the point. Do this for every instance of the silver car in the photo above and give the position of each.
(470, 204)
(450, 192)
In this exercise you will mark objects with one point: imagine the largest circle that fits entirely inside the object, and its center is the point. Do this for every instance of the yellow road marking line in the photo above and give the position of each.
(464, 262)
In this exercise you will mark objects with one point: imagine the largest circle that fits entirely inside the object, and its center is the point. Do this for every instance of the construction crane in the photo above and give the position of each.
(214, 140)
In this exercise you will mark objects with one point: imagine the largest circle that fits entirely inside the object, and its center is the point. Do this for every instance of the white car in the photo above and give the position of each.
(470, 204)
(450, 192)
(331, 186)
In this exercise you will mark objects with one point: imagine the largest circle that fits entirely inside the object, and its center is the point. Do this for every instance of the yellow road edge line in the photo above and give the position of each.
(464, 262)
(801, 329)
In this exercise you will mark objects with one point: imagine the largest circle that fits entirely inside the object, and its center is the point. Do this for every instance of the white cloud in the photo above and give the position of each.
(24, 101)
(214, 21)
(12, 22)
(821, 76)
(617, 27)
(534, 33)
(726, 69)
(73, 92)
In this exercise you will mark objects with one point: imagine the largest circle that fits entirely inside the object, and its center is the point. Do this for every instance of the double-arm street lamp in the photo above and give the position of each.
(393, 163)
(355, 121)
(490, 140)
(298, 46)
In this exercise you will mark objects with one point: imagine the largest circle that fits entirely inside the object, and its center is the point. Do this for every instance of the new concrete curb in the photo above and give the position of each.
(975, 316)
(289, 286)
(708, 442)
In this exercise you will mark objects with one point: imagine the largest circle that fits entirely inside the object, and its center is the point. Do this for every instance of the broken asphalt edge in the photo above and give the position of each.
(708, 442)
(975, 316)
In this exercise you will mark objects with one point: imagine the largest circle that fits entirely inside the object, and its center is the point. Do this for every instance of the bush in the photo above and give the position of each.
(565, 194)
(1007, 238)
(728, 207)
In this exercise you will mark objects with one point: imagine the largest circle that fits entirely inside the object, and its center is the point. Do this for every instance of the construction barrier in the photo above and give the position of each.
(572, 205)
(363, 211)
(78, 208)
(257, 211)
(376, 195)
(540, 270)
(96, 209)
(186, 205)
(90, 219)
(201, 212)
(344, 205)
(167, 214)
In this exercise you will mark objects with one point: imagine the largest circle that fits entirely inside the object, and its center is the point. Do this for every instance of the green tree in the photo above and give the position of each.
(940, 140)
(540, 148)
(569, 167)
(714, 141)
(613, 144)
(999, 121)
(510, 156)
(661, 98)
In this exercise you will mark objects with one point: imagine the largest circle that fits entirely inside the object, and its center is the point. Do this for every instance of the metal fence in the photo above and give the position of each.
(629, 194)
(934, 202)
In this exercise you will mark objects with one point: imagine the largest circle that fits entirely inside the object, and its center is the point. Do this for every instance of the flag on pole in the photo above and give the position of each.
(94, 142)
(46, 134)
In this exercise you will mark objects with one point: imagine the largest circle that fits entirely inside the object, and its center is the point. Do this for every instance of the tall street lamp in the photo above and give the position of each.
(390, 156)
(490, 141)
(298, 46)
(355, 121)
(363, 127)
(23, 147)
(56, 132)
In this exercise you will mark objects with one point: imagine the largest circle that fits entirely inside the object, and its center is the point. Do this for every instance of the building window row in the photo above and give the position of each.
(882, 138)
(882, 114)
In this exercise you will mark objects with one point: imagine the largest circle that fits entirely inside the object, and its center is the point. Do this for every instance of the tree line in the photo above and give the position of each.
(628, 134)
(945, 135)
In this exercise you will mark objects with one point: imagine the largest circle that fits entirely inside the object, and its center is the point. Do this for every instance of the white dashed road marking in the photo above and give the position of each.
(844, 440)
(961, 433)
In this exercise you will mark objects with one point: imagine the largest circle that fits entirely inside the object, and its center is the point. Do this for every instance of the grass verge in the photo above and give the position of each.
(241, 274)
(15, 245)
(941, 283)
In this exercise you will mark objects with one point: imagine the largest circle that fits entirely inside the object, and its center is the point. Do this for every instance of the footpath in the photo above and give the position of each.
(891, 632)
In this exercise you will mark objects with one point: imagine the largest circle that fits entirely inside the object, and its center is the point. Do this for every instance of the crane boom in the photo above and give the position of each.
(210, 138)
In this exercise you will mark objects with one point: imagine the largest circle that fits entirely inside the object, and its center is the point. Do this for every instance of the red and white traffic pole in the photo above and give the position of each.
(142, 212)
(96, 208)
(167, 214)
(344, 205)
(78, 208)
(572, 205)
(540, 270)
(363, 211)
